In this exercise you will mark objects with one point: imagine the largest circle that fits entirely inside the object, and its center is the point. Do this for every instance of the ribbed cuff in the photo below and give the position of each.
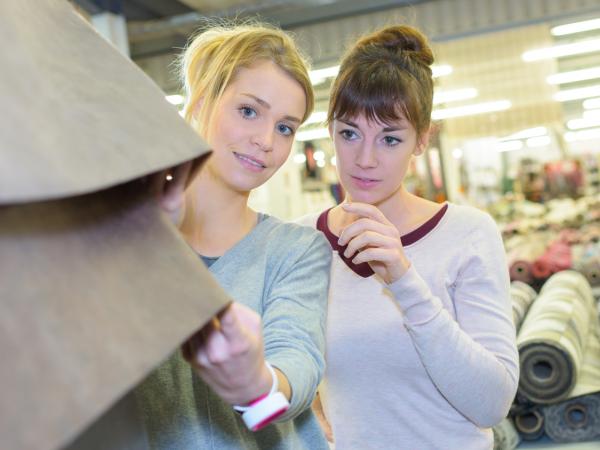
(415, 299)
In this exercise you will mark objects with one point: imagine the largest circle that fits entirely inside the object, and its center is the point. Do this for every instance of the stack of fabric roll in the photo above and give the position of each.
(559, 348)
(534, 258)
(522, 252)
(522, 295)
(587, 261)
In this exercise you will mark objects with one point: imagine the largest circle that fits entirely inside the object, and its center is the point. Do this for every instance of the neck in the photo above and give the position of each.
(216, 216)
(402, 209)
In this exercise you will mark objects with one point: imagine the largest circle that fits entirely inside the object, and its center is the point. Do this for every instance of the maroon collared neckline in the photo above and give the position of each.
(363, 269)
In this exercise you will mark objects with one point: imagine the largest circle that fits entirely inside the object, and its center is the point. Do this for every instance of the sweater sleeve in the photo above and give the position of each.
(294, 320)
(473, 360)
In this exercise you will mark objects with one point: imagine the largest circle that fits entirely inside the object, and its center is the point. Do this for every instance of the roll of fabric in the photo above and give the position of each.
(530, 424)
(506, 436)
(574, 420)
(520, 258)
(587, 261)
(557, 257)
(553, 339)
(522, 296)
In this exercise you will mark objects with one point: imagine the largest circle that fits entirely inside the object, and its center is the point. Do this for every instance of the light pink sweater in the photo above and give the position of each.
(429, 362)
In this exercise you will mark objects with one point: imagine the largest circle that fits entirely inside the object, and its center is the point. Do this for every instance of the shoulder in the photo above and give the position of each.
(309, 220)
(294, 239)
(470, 221)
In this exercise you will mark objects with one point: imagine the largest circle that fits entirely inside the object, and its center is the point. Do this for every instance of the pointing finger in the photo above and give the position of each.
(365, 210)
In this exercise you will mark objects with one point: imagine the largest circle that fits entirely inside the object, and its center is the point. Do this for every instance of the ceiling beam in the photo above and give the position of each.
(285, 13)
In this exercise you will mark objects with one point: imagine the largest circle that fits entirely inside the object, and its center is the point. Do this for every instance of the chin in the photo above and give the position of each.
(369, 197)
(244, 183)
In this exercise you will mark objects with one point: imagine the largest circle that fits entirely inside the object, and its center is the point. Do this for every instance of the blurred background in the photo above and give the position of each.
(517, 100)
(517, 119)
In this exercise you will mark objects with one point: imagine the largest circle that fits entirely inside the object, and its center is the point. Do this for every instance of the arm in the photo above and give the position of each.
(473, 361)
(230, 353)
(317, 408)
(294, 320)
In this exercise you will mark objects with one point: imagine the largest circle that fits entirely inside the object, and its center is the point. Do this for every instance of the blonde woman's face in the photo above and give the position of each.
(253, 126)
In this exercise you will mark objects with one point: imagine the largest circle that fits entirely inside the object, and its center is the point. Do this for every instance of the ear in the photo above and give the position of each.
(197, 107)
(422, 143)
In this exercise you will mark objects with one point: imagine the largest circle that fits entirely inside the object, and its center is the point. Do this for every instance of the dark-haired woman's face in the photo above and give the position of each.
(373, 157)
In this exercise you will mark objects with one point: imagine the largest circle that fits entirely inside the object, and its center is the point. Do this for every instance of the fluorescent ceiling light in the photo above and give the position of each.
(320, 163)
(591, 114)
(441, 70)
(468, 110)
(577, 94)
(320, 75)
(577, 124)
(574, 76)
(175, 99)
(454, 95)
(558, 51)
(584, 135)
(457, 153)
(333, 161)
(316, 117)
(509, 146)
(319, 155)
(299, 158)
(317, 133)
(576, 27)
(540, 141)
(591, 103)
(527, 133)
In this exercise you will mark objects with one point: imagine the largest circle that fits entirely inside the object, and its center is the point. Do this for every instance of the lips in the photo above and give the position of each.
(364, 182)
(250, 162)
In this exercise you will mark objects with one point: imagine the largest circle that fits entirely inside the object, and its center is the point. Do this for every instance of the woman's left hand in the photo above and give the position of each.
(374, 240)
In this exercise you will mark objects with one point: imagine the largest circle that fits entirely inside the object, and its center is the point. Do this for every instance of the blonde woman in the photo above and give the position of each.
(248, 91)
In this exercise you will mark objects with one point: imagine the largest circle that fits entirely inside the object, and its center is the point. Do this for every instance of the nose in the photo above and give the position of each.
(366, 157)
(263, 137)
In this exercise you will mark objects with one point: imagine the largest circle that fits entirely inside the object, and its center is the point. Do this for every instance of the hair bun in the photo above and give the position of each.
(401, 40)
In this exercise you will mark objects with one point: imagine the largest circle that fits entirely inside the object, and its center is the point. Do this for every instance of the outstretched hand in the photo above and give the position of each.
(373, 239)
(228, 355)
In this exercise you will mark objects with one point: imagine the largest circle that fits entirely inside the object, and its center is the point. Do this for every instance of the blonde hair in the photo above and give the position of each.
(213, 57)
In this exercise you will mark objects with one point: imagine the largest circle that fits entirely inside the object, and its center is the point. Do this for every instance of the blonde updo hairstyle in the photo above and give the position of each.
(213, 58)
(384, 74)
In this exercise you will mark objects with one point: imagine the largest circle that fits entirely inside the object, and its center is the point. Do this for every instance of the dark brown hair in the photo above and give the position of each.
(385, 74)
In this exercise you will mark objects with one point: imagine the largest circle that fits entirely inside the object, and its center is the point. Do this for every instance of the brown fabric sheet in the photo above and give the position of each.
(95, 291)
(77, 116)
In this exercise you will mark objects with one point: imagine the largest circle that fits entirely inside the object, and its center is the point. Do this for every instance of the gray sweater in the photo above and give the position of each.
(281, 270)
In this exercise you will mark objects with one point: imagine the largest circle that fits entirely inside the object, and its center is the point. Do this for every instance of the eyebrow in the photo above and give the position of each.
(265, 104)
(386, 129)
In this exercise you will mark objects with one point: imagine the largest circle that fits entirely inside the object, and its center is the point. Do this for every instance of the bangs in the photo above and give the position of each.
(380, 92)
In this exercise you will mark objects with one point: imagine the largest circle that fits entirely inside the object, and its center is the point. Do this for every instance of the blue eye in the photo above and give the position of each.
(247, 112)
(348, 135)
(284, 129)
(391, 141)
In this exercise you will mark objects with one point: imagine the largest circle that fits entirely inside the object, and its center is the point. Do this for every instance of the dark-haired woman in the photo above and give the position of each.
(421, 347)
